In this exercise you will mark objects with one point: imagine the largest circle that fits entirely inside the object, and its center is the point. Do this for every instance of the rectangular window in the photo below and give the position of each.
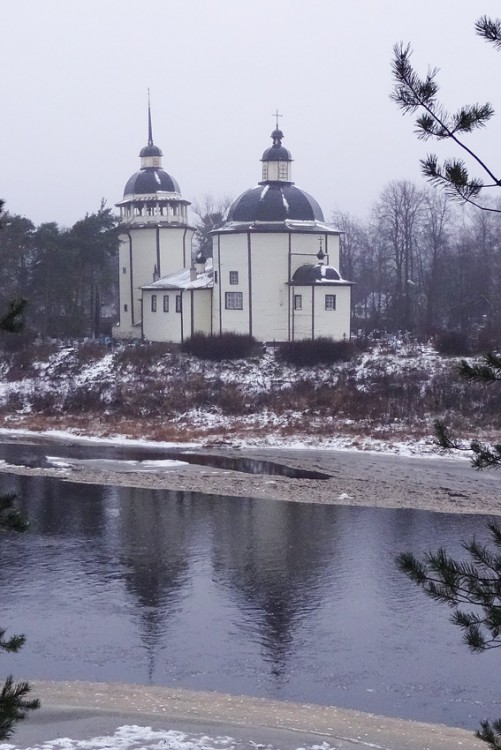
(153, 303)
(330, 301)
(234, 301)
(282, 171)
(124, 270)
(215, 277)
(179, 303)
(233, 277)
(298, 302)
(166, 303)
(126, 308)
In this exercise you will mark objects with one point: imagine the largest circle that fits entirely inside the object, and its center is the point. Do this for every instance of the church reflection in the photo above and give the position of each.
(154, 533)
(272, 556)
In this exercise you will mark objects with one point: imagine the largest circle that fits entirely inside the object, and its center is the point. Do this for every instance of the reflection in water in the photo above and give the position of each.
(299, 602)
(272, 555)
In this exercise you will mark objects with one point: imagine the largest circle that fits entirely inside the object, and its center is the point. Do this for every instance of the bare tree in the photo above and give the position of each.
(210, 212)
(398, 214)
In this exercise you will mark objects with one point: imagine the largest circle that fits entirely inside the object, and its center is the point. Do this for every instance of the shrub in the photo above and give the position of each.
(314, 352)
(452, 343)
(142, 354)
(220, 347)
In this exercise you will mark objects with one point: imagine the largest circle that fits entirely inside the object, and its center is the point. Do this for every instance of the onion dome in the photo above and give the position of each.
(150, 180)
(150, 150)
(317, 273)
(277, 152)
(275, 198)
(275, 201)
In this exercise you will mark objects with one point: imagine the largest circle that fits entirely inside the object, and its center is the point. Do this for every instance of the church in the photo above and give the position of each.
(274, 271)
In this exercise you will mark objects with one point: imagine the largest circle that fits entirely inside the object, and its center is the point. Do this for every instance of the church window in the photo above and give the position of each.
(215, 277)
(234, 301)
(298, 302)
(282, 171)
(124, 270)
(179, 303)
(153, 303)
(125, 308)
(330, 301)
(166, 303)
(265, 171)
(233, 277)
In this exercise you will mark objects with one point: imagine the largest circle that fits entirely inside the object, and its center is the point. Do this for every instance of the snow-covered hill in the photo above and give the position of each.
(387, 397)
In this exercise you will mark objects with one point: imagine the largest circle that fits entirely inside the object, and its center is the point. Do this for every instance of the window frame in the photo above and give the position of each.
(237, 301)
(179, 303)
(298, 302)
(165, 303)
(330, 302)
(153, 303)
(233, 278)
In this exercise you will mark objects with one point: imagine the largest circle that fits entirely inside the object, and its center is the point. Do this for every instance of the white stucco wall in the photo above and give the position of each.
(265, 292)
(195, 316)
(150, 246)
(160, 325)
(313, 320)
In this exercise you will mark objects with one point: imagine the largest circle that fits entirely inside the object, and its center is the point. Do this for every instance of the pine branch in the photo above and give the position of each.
(12, 644)
(445, 439)
(411, 93)
(490, 30)
(490, 733)
(486, 456)
(14, 706)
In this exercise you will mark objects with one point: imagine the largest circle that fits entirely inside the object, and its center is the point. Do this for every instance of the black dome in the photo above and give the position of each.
(277, 152)
(275, 201)
(150, 180)
(312, 274)
(150, 150)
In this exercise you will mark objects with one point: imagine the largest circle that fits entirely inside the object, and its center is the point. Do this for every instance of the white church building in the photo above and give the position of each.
(274, 271)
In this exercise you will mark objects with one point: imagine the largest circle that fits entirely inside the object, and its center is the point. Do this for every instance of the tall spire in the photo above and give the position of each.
(150, 133)
(150, 154)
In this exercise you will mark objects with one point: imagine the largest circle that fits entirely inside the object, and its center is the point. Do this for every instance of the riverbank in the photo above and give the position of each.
(362, 478)
(97, 715)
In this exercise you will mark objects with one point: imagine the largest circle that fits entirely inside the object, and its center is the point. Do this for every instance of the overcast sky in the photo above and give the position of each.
(75, 75)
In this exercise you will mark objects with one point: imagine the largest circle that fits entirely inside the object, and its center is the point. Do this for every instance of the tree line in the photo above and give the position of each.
(68, 276)
(423, 264)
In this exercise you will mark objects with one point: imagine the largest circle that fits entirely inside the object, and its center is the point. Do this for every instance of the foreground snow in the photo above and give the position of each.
(134, 737)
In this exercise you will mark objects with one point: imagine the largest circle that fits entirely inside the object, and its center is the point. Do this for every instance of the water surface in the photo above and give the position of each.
(281, 600)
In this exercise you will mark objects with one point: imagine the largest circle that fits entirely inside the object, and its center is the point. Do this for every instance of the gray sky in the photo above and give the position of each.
(75, 75)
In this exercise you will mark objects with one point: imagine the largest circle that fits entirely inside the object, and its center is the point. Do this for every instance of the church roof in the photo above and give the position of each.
(151, 180)
(183, 279)
(277, 152)
(317, 273)
(275, 201)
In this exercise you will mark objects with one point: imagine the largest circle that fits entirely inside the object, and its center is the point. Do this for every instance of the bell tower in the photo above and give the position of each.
(156, 238)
